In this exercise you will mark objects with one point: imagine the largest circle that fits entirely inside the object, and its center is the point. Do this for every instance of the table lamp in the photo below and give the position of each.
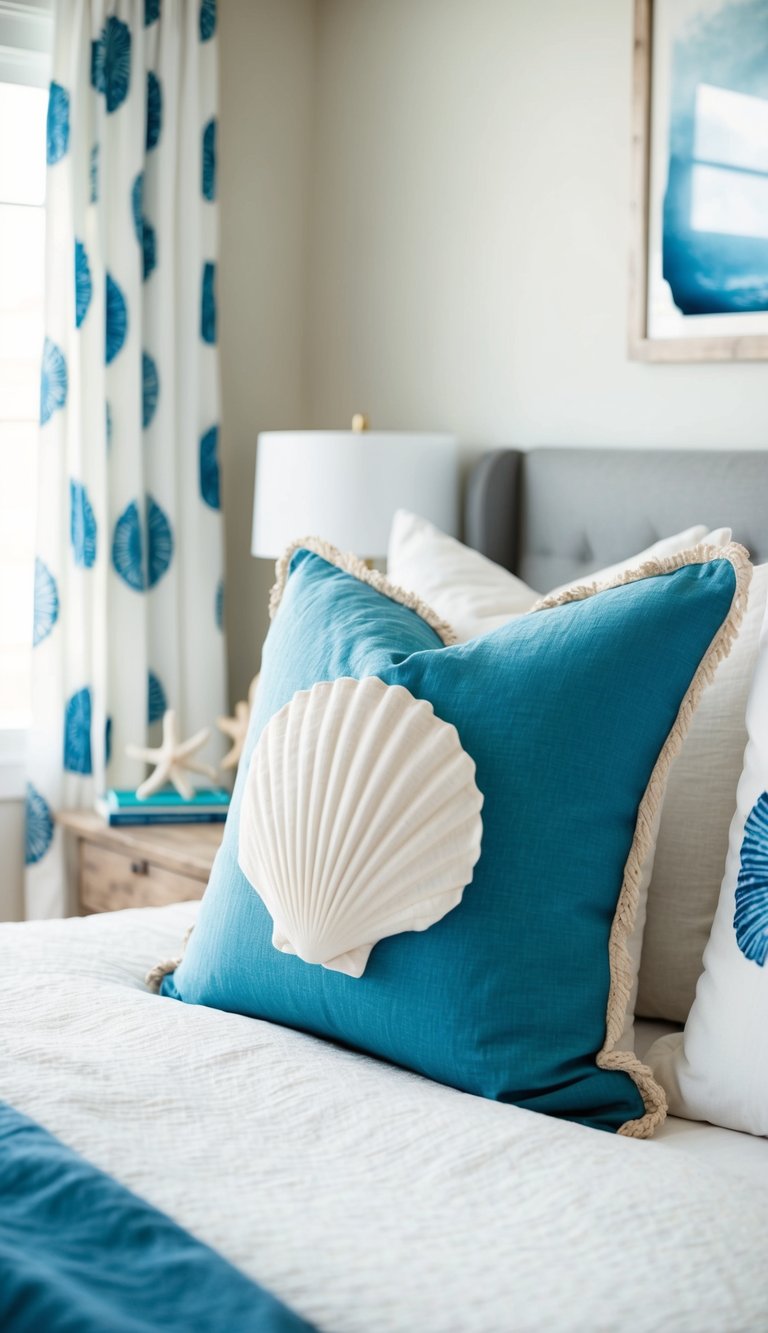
(345, 486)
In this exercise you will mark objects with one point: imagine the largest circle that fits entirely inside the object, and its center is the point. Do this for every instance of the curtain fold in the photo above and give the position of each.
(128, 576)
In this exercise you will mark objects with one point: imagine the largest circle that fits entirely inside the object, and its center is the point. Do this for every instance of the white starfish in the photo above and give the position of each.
(171, 759)
(237, 727)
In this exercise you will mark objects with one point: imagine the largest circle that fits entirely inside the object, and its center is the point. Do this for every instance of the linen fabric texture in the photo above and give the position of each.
(566, 714)
(80, 1251)
(684, 868)
(717, 1069)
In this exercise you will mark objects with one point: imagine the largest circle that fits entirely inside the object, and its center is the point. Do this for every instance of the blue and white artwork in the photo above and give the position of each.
(708, 223)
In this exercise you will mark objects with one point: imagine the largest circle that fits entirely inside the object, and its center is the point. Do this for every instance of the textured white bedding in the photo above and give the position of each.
(365, 1197)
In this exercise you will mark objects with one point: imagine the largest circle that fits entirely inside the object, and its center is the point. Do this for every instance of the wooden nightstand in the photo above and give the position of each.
(139, 865)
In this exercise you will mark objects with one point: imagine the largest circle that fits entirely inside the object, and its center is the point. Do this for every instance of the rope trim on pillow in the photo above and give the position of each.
(351, 564)
(622, 977)
(155, 975)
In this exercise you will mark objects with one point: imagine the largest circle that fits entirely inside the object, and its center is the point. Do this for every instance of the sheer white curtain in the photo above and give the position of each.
(128, 577)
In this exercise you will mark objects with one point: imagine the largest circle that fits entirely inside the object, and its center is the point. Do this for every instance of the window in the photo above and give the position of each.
(22, 260)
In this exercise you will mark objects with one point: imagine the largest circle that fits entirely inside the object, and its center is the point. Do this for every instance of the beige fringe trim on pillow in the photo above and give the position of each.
(351, 564)
(155, 975)
(622, 977)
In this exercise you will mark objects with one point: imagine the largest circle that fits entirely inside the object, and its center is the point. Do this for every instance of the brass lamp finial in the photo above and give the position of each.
(359, 423)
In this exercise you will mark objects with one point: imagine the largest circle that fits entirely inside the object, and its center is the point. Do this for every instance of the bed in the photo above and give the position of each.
(361, 1195)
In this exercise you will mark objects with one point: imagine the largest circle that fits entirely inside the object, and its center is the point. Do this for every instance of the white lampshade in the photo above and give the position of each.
(345, 486)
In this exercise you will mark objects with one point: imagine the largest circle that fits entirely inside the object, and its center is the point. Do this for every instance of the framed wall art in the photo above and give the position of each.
(699, 272)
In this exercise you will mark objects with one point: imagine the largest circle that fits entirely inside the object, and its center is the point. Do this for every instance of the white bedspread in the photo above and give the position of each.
(365, 1197)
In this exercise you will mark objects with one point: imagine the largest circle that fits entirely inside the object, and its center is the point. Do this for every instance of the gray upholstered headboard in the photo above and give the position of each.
(552, 515)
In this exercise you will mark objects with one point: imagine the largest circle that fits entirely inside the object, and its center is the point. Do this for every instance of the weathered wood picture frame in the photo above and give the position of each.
(698, 286)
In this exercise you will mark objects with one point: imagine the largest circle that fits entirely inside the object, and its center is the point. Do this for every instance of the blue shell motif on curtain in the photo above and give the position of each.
(208, 303)
(209, 160)
(111, 62)
(46, 603)
(137, 204)
(83, 284)
(156, 700)
(207, 20)
(117, 320)
(128, 545)
(750, 920)
(154, 110)
(39, 833)
(82, 526)
(94, 174)
(108, 423)
(57, 124)
(148, 249)
(77, 733)
(150, 389)
(218, 607)
(209, 468)
(53, 381)
(145, 232)
(151, 12)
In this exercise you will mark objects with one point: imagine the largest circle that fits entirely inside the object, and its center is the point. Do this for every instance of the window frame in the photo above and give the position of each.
(26, 30)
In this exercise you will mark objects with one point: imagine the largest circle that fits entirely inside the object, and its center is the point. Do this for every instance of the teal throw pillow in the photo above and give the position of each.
(570, 715)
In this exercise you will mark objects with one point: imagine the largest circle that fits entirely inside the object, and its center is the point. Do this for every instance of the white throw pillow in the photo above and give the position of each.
(692, 842)
(472, 593)
(717, 1069)
(475, 595)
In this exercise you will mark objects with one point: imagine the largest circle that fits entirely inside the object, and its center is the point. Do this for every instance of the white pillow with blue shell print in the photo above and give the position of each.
(717, 1069)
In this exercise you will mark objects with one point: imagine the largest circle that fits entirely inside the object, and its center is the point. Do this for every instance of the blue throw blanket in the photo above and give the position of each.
(81, 1254)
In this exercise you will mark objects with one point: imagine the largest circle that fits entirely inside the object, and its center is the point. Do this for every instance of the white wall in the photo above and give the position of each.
(470, 232)
(266, 82)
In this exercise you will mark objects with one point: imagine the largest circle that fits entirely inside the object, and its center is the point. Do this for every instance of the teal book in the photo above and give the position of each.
(208, 805)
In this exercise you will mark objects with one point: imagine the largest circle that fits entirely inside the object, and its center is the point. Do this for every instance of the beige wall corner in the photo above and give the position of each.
(267, 77)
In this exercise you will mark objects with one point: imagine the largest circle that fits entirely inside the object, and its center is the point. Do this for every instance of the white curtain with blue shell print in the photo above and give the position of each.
(128, 576)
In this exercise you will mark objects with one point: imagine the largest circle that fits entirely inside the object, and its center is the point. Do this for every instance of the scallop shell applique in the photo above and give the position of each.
(360, 819)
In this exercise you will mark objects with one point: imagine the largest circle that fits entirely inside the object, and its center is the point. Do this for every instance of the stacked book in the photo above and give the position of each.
(207, 806)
